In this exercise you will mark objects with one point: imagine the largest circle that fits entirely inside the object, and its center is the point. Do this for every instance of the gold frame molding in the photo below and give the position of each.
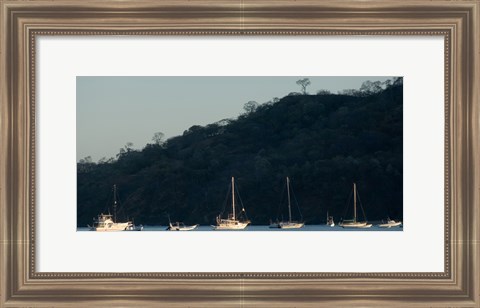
(22, 21)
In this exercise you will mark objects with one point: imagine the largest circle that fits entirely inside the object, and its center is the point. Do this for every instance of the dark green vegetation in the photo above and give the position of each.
(323, 142)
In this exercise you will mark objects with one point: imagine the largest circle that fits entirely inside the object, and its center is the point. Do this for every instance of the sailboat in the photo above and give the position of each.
(390, 223)
(353, 223)
(107, 222)
(290, 224)
(330, 221)
(231, 222)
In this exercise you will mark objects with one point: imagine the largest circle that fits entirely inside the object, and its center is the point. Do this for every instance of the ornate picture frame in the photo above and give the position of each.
(22, 22)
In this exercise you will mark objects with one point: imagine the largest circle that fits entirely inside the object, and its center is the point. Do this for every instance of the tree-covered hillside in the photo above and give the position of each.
(323, 142)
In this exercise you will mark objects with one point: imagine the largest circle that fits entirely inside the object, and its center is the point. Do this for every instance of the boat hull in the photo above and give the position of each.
(231, 225)
(389, 225)
(290, 225)
(186, 228)
(111, 228)
(356, 225)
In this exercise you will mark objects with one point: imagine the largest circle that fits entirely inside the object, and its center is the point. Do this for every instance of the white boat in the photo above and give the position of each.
(330, 221)
(353, 223)
(288, 224)
(231, 222)
(179, 226)
(390, 223)
(107, 222)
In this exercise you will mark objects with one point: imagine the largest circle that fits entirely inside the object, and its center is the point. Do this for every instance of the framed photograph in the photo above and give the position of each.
(305, 153)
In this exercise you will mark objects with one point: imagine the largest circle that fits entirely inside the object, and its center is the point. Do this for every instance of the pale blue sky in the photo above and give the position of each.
(112, 111)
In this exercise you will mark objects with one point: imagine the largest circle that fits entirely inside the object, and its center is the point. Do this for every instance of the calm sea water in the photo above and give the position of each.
(323, 228)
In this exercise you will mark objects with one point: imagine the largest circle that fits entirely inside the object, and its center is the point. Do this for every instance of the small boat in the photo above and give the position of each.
(330, 221)
(390, 223)
(353, 223)
(107, 222)
(290, 224)
(133, 227)
(232, 222)
(180, 226)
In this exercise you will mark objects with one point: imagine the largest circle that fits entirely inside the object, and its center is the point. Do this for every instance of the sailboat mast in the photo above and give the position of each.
(289, 206)
(114, 203)
(354, 202)
(233, 198)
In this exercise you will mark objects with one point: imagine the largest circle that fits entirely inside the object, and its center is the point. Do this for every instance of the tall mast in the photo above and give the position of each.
(233, 198)
(354, 202)
(289, 207)
(114, 203)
